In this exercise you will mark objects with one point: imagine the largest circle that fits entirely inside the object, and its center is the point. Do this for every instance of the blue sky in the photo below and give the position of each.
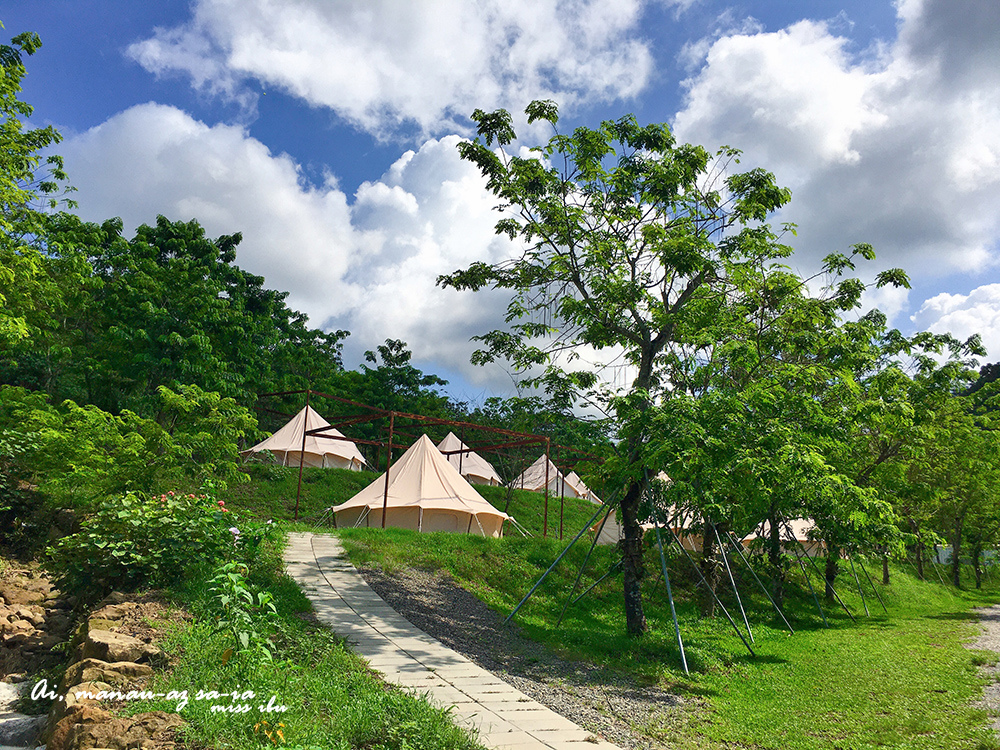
(326, 132)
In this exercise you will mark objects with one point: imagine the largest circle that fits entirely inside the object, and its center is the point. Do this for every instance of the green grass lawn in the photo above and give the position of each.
(902, 680)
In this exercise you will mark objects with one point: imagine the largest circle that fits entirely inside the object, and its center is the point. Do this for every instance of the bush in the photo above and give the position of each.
(133, 542)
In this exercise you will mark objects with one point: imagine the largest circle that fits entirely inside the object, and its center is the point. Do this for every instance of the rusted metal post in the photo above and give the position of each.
(302, 455)
(388, 464)
(545, 520)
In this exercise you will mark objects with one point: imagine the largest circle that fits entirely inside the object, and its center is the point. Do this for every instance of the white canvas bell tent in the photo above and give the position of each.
(320, 452)
(580, 488)
(800, 528)
(426, 493)
(470, 465)
(533, 479)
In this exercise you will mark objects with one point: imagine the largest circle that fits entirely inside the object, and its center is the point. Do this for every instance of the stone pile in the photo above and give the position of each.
(106, 660)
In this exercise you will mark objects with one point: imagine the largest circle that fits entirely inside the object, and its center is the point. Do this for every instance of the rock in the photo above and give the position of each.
(120, 734)
(14, 640)
(69, 721)
(57, 623)
(66, 521)
(118, 673)
(18, 730)
(75, 699)
(40, 641)
(25, 592)
(108, 646)
(32, 614)
(113, 611)
(16, 626)
(96, 623)
(115, 597)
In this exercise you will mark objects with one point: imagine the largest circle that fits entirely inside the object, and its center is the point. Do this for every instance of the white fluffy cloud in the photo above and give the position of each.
(963, 315)
(367, 263)
(898, 146)
(380, 64)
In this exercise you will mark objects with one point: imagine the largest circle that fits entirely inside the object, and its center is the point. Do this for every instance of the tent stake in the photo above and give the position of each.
(582, 567)
(670, 596)
(553, 565)
(858, 581)
(716, 598)
(735, 545)
(595, 584)
(819, 573)
(732, 580)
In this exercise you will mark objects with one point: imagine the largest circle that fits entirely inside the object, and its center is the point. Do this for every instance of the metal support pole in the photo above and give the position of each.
(595, 584)
(736, 546)
(811, 589)
(872, 584)
(858, 581)
(670, 596)
(819, 573)
(553, 565)
(582, 567)
(716, 598)
(732, 580)
(545, 520)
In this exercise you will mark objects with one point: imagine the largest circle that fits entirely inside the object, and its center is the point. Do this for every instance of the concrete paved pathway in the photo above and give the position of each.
(407, 656)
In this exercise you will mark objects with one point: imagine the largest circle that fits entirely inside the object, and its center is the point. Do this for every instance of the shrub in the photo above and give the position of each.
(133, 542)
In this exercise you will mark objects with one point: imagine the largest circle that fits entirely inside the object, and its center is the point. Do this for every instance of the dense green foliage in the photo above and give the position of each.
(132, 542)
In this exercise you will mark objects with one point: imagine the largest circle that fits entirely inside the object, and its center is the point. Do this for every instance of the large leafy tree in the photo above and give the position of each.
(28, 182)
(632, 241)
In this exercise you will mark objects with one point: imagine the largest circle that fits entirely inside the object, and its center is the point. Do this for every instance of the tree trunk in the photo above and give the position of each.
(956, 552)
(919, 552)
(632, 567)
(976, 556)
(710, 570)
(832, 558)
(885, 568)
(777, 560)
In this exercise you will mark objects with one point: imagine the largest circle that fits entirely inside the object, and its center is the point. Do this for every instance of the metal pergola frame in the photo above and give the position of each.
(373, 413)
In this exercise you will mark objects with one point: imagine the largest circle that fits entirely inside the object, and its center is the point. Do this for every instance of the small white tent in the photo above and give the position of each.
(320, 452)
(533, 478)
(470, 465)
(426, 493)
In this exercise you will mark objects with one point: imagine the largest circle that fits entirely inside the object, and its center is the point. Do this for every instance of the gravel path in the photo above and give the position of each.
(629, 714)
(989, 640)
